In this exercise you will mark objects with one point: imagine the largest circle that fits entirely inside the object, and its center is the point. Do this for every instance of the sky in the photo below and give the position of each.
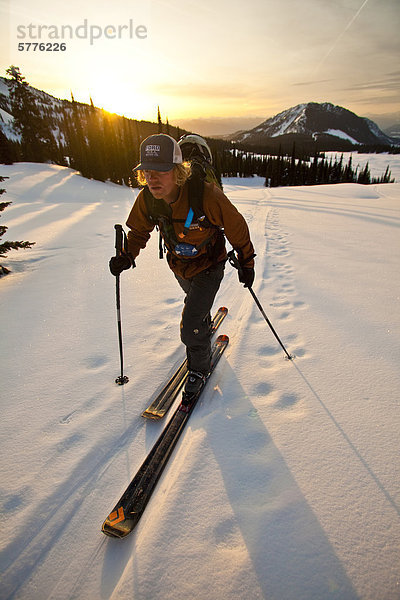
(215, 63)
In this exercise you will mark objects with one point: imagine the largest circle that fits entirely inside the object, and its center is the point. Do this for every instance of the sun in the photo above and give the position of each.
(115, 89)
(121, 97)
(124, 100)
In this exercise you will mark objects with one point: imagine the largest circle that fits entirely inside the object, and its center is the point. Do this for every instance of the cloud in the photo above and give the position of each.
(389, 83)
(219, 126)
(209, 90)
(199, 90)
(312, 82)
(375, 101)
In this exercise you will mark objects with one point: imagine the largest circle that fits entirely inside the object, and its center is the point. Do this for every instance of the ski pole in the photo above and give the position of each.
(234, 261)
(118, 247)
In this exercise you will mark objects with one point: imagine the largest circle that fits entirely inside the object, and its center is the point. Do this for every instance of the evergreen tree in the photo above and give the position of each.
(312, 180)
(7, 246)
(7, 154)
(348, 175)
(292, 172)
(386, 178)
(159, 121)
(76, 145)
(36, 138)
(365, 175)
(96, 143)
(130, 143)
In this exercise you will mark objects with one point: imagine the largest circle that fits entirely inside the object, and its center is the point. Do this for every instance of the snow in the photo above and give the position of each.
(341, 134)
(377, 162)
(289, 121)
(4, 87)
(8, 128)
(5, 116)
(285, 484)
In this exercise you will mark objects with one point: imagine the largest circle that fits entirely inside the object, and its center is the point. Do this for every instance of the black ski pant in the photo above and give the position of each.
(196, 316)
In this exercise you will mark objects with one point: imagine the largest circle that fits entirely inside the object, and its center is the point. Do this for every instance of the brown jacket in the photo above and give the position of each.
(219, 211)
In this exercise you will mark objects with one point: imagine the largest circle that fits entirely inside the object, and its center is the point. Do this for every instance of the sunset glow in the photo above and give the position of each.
(207, 59)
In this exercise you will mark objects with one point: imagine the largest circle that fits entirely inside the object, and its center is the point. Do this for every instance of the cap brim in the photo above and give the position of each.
(151, 166)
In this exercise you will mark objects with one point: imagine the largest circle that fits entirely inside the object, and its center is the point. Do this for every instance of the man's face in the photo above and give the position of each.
(162, 184)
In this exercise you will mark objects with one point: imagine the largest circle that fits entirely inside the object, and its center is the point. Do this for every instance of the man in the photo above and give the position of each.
(195, 244)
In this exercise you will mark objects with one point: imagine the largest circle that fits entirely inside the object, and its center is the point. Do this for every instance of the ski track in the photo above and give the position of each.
(242, 501)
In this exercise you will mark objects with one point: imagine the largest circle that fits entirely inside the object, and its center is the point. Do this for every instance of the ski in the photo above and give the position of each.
(127, 512)
(164, 400)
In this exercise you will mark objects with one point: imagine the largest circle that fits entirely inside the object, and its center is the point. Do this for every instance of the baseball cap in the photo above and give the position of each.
(159, 153)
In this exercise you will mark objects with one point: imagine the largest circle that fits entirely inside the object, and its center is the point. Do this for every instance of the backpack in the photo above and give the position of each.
(195, 150)
(160, 213)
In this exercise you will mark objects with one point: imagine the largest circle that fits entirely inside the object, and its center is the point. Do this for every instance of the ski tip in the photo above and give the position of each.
(223, 309)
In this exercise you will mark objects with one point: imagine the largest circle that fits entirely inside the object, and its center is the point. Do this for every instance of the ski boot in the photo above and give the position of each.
(194, 384)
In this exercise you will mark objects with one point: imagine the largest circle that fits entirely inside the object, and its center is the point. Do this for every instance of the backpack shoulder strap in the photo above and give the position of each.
(153, 211)
(196, 190)
(159, 213)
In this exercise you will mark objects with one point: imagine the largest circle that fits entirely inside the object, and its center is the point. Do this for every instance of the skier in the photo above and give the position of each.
(193, 234)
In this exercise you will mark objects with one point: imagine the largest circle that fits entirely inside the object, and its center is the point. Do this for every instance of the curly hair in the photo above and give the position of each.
(182, 172)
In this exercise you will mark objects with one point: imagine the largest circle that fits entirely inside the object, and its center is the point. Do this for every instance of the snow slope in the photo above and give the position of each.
(285, 484)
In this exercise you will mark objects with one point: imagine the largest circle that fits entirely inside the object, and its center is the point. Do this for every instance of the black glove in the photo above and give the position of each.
(120, 263)
(246, 276)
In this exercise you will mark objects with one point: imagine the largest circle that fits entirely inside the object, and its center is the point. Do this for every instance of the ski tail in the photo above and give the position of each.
(164, 400)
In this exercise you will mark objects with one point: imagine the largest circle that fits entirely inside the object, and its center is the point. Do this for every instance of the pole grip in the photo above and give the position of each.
(234, 261)
(118, 239)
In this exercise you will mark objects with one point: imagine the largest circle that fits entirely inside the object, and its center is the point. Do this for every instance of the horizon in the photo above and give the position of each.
(207, 125)
(240, 66)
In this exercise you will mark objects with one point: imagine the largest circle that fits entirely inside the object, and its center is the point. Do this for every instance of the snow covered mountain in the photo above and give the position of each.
(317, 121)
(49, 107)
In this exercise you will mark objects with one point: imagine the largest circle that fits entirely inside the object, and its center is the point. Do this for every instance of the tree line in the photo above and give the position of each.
(105, 146)
(283, 170)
